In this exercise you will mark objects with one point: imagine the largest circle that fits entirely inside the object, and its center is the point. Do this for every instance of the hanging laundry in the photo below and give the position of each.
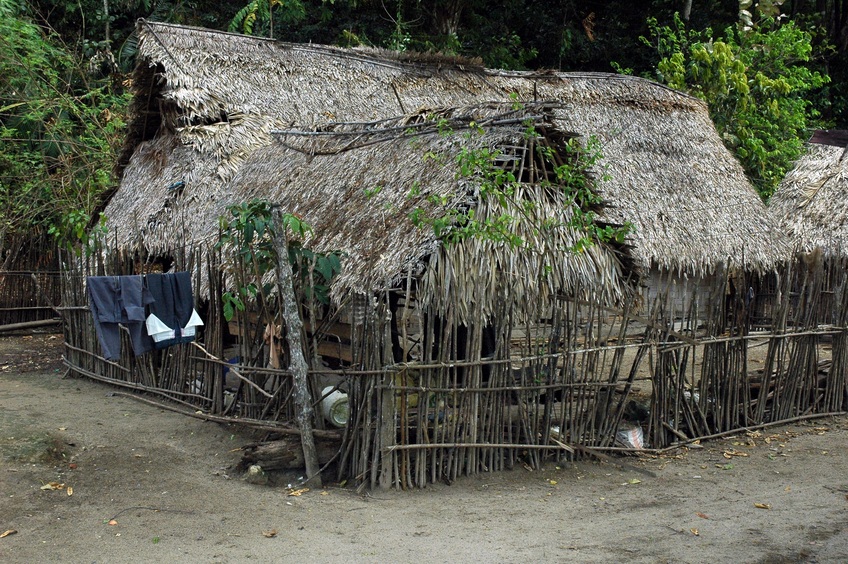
(172, 318)
(115, 300)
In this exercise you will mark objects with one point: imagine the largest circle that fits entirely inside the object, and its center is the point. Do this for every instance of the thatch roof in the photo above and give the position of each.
(812, 200)
(206, 101)
(358, 186)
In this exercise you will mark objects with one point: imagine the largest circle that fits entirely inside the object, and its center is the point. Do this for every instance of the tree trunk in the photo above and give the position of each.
(839, 35)
(106, 22)
(446, 17)
(298, 367)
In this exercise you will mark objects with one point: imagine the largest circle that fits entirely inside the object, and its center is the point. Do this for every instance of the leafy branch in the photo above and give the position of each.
(60, 130)
(248, 231)
(480, 165)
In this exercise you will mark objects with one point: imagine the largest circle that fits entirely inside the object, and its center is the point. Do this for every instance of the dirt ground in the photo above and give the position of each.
(136, 483)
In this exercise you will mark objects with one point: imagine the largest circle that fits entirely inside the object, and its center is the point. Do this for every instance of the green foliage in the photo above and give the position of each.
(755, 81)
(571, 176)
(73, 231)
(59, 133)
(499, 46)
(258, 16)
(249, 233)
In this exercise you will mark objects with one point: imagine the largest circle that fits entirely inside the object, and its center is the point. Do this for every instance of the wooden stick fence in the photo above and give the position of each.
(30, 279)
(431, 399)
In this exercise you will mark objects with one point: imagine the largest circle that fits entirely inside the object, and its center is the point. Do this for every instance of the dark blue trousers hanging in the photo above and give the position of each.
(118, 300)
(172, 318)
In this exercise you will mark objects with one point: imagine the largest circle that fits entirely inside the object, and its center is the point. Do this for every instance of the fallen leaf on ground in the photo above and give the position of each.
(7, 533)
(297, 493)
(762, 506)
(634, 481)
(53, 486)
(113, 522)
(695, 532)
(70, 490)
(325, 492)
(270, 534)
(702, 515)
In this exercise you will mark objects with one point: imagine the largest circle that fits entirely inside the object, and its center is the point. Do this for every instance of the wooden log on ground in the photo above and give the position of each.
(285, 453)
(29, 324)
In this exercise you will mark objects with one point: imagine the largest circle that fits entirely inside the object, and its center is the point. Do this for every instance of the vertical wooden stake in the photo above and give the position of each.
(297, 362)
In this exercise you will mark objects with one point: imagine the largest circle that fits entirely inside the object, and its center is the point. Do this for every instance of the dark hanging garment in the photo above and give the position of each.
(115, 300)
(172, 318)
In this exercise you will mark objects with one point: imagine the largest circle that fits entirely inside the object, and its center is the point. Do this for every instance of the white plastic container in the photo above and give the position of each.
(334, 407)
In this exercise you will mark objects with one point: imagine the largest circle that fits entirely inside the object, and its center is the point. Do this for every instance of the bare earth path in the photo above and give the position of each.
(166, 483)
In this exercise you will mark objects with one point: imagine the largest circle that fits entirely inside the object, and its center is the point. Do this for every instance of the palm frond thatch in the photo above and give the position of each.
(810, 201)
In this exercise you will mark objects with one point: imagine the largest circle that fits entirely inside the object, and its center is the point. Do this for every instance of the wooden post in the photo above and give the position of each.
(298, 367)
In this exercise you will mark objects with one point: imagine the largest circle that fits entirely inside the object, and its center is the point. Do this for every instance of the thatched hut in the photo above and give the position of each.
(457, 357)
(412, 315)
(807, 204)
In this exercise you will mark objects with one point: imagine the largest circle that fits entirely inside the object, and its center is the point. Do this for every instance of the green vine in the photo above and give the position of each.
(571, 175)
